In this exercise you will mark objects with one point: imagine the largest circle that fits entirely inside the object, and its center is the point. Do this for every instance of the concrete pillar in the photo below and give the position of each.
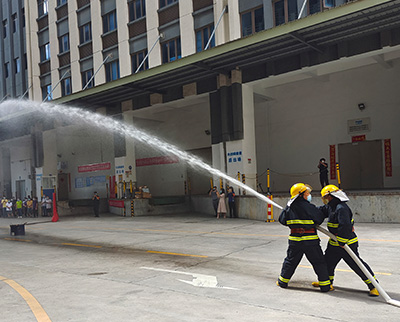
(97, 43)
(74, 47)
(152, 33)
(187, 26)
(123, 38)
(125, 166)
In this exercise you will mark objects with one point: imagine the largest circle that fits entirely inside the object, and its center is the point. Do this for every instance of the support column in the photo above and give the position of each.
(233, 128)
(125, 166)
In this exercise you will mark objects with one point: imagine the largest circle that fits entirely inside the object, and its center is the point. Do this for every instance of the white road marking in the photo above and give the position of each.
(199, 280)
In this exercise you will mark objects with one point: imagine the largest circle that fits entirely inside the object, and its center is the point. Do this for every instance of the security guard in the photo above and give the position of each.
(340, 223)
(301, 216)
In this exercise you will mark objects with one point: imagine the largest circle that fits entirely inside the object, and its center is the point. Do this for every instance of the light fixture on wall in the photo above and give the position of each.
(207, 132)
(361, 106)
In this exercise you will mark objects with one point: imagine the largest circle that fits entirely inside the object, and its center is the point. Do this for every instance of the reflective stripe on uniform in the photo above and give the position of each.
(368, 281)
(300, 222)
(324, 283)
(349, 241)
(303, 238)
(342, 240)
(331, 277)
(330, 224)
(284, 280)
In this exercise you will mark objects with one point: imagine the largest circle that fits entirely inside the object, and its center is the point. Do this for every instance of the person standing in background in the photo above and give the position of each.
(231, 202)
(215, 198)
(323, 172)
(96, 204)
(221, 204)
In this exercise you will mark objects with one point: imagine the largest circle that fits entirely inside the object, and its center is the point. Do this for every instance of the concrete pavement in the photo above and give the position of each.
(197, 268)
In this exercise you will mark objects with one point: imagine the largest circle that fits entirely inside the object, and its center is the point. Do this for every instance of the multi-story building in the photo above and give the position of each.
(244, 84)
(13, 57)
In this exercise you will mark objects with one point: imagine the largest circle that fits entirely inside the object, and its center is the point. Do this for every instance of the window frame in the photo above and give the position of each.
(106, 19)
(286, 9)
(17, 65)
(5, 28)
(14, 23)
(253, 20)
(164, 3)
(109, 70)
(46, 92)
(133, 8)
(66, 86)
(82, 33)
(6, 69)
(210, 28)
(177, 48)
(45, 52)
(135, 58)
(85, 78)
(43, 7)
(64, 47)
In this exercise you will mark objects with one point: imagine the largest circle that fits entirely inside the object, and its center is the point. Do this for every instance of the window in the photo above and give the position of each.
(164, 3)
(329, 3)
(46, 93)
(44, 52)
(5, 27)
(14, 23)
(252, 21)
(85, 33)
(61, 2)
(66, 86)
(17, 65)
(314, 6)
(137, 9)
(6, 69)
(112, 71)
(23, 17)
(285, 11)
(43, 7)
(109, 22)
(202, 37)
(64, 43)
(86, 76)
(137, 59)
(171, 50)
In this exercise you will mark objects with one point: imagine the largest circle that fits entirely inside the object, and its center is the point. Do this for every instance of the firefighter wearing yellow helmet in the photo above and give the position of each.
(340, 223)
(301, 216)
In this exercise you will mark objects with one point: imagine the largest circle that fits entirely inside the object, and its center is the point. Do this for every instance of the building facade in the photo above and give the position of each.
(279, 85)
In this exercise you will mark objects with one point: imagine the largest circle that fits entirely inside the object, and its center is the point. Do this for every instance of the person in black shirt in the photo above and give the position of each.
(323, 173)
(96, 204)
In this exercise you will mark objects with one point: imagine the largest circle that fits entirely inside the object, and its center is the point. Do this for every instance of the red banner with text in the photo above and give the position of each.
(332, 161)
(94, 167)
(388, 158)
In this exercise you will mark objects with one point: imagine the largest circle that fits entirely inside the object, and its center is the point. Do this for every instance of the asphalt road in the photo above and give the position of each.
(181, 268)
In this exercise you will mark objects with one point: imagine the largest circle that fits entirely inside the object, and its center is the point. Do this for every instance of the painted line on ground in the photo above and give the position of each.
(81, 245)
(175, 254)
(36, 308)
(348, 270)
(17, 239)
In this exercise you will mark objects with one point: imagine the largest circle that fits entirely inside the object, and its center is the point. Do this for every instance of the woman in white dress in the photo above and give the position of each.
(221, 205)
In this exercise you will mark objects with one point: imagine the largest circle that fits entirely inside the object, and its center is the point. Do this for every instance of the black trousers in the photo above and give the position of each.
(315, 256)
(334, 254)
(232, 210)
(323, 178)
(96, 210)
(215, 205)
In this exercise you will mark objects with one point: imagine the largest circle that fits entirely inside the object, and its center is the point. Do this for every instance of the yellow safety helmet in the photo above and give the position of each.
(328, 189)
(299, 188)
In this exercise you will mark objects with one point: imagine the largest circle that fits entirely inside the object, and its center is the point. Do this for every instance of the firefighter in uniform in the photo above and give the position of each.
(301, 216)
(340, 223)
